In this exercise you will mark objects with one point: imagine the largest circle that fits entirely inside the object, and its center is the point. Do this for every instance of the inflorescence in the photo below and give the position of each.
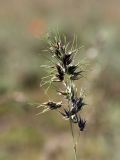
(66, 72)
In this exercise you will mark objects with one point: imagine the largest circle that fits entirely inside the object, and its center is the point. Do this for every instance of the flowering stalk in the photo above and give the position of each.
(66, 72)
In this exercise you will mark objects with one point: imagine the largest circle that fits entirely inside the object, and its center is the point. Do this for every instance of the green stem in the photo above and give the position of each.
(74, 145)
(72, 132)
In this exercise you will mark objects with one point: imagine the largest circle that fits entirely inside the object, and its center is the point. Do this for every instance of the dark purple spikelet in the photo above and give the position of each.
(65, 114)
(53, 105)
(57, 54)
(81, 124)
(67, 59)
(78, 103)
(60, 70)
(76, 75)
(71, 69)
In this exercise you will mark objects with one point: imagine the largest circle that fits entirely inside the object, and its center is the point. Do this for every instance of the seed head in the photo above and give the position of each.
(67, 72)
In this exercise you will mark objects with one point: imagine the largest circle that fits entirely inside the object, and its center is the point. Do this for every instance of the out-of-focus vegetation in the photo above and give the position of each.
(23, 24)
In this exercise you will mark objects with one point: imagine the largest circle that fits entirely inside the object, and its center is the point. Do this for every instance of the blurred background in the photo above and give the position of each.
(23, 26)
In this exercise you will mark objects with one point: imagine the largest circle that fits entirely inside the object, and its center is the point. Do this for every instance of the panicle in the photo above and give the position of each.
(65, 67)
